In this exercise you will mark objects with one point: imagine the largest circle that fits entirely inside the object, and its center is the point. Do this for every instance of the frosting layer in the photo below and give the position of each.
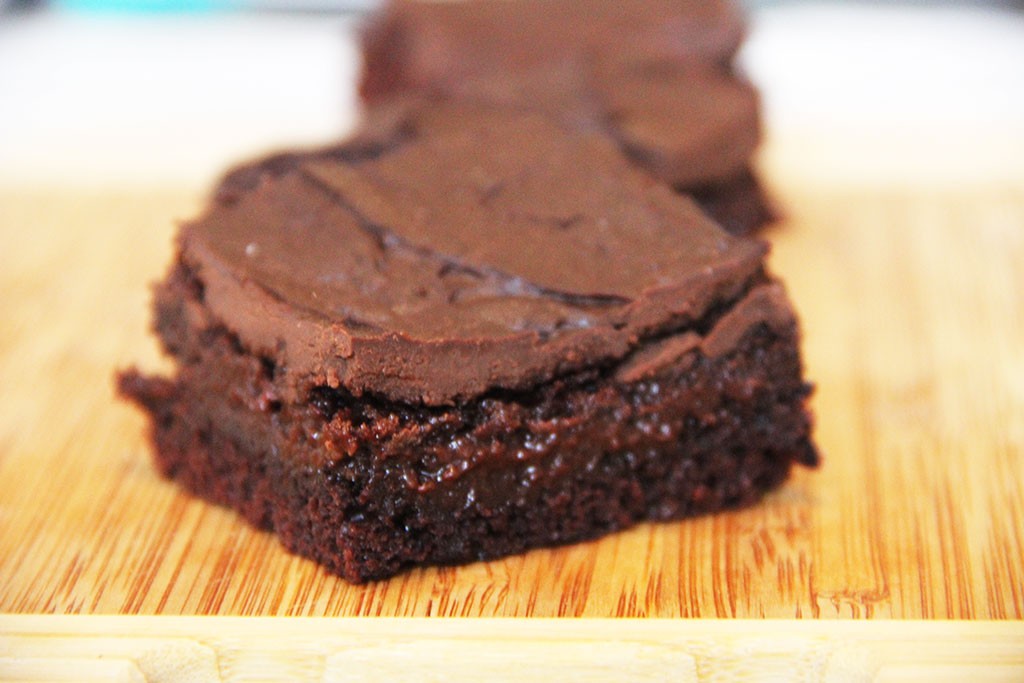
(490, 257)
(440, 45)
(656, 75)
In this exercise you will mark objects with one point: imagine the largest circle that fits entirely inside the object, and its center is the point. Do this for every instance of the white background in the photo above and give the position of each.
(102, 99)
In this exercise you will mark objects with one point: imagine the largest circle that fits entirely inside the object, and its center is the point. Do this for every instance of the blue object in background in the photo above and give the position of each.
(143, 5)
(192, 6)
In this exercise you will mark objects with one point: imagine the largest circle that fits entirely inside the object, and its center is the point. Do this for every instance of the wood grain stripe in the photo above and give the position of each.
(912, 304)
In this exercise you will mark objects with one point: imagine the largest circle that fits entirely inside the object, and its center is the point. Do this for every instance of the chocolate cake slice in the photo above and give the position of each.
(655, 76)
(469, 344)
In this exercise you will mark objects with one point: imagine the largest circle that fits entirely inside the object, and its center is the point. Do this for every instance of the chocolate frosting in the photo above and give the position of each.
(655, 75)
(440, 45)
(495, 256)
(689, 127)
(692, 126)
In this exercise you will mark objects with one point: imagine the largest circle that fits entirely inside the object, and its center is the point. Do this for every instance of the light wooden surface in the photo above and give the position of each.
(156, 649)
(912, 306)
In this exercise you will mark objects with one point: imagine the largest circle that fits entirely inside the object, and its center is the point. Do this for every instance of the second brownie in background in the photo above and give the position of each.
(658, 77)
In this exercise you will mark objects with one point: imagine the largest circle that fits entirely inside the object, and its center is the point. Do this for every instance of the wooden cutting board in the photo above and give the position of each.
(912, 305)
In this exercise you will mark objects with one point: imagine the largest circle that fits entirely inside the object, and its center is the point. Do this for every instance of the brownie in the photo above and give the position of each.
(657, 77)
(420, 354)
(414, 45)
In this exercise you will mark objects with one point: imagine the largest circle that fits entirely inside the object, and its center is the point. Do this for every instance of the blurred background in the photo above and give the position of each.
(173, 91)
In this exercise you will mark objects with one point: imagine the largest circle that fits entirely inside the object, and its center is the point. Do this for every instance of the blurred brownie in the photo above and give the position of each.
(422, 44)
(655, 76)
(416, 353)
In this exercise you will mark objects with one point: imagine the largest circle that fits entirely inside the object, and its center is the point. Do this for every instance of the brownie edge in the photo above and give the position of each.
(389, 366)
(370, 486)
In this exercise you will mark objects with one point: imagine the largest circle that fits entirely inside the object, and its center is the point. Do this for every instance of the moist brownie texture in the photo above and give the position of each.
(657, 77)
(418, 353)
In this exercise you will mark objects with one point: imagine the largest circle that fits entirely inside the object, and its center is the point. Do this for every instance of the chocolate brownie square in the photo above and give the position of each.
(424, 45)
(655, 76)
(421, 353)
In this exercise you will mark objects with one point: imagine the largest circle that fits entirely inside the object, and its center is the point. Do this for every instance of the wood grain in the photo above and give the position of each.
(911, 301)
(156, 649)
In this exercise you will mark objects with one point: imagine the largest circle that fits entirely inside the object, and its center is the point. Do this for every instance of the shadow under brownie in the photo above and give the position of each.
(424, 354)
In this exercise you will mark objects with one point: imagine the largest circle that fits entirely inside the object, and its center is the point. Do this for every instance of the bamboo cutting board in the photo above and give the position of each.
(912, 305)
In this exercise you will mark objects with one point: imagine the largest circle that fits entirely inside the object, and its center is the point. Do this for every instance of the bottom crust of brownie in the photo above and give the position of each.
(367, 487)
